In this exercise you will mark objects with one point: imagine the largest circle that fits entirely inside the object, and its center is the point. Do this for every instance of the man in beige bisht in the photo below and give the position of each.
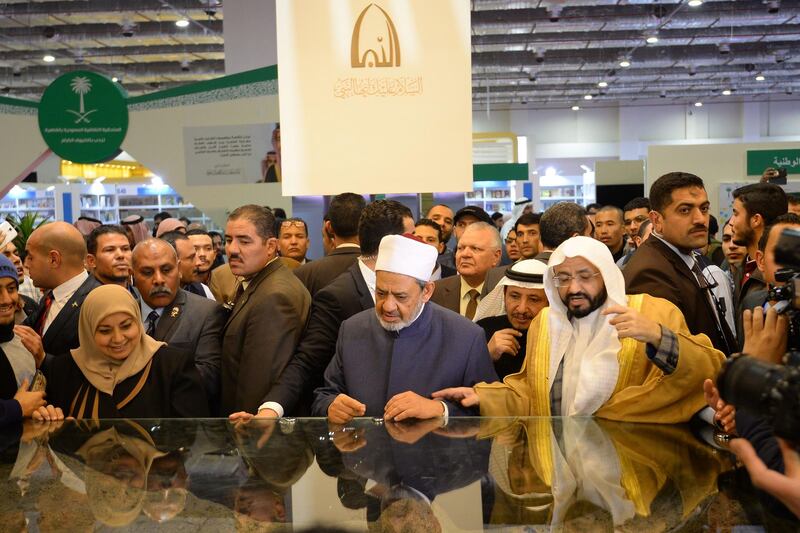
(598, 351)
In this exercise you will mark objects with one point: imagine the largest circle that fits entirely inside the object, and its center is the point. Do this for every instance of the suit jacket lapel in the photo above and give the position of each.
(251, 288)
(364, 296)
(171, 316)
(71, 309)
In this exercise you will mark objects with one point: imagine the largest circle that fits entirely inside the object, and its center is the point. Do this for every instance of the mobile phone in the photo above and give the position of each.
(39, 382)
(9, 233)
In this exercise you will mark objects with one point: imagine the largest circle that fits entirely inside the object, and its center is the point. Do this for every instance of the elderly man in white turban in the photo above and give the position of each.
(506, 313)
(390, 359)
(597, 351)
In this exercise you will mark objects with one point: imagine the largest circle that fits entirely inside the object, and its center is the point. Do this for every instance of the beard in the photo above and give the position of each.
(397, 326)
(594, 303)
(744, 238)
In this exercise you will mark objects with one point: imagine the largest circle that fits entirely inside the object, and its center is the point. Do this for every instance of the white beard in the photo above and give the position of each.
(397, 326)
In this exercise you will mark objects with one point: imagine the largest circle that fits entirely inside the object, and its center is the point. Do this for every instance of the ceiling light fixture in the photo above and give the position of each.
(624, 63)
(760, 77)
(651, 39)
(726, 92)
(182, 23)
(602, 84)
(576, 108)
(698, 104)
(587, 97)
(48, 58)
(695, 3)
(114, 79)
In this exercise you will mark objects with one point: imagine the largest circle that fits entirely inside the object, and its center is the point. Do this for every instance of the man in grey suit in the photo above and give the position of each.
(479, 249)
(179, 318)
(269, 312)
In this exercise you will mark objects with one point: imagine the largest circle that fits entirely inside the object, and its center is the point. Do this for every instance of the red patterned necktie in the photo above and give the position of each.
(48, 301)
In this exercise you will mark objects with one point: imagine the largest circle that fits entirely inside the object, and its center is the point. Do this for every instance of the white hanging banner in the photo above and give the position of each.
(375, 97)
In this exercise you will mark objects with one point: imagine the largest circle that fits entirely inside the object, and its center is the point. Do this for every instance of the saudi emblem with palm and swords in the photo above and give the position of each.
(81, 85)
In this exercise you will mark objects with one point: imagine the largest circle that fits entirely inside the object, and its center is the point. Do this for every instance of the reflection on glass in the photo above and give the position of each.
(571, 474)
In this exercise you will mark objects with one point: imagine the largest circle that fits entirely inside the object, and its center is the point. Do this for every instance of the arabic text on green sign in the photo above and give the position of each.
(83, 117)
(759, 160)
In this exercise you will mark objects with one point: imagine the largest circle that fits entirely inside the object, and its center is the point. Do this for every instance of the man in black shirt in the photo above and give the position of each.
(508, 310)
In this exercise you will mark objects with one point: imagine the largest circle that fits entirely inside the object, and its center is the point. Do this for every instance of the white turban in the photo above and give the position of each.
(527, 274)
(406, 255)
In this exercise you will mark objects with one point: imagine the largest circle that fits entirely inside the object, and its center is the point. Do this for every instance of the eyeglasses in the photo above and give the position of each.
(563, 279)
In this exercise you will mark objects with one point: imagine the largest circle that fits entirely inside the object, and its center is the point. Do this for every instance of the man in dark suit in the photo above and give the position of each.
(55, 255)
(179, 318)
(268, 315)
(666, 265)
(479, 249)
(350, 293)
(341, 227)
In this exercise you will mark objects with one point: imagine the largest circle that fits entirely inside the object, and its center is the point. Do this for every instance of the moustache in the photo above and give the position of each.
(702, 227)
(578, 294)
(158, 291)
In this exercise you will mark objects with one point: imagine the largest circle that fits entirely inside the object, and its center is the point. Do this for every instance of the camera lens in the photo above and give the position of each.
(745, 382)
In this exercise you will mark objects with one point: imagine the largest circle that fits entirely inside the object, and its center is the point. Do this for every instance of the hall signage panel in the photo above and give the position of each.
(375, 97)
(759, 160)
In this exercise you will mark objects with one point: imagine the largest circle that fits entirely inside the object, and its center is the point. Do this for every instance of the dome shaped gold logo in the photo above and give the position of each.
(375, 42)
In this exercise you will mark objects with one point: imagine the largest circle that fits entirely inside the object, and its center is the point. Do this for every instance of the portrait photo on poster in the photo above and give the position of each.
(232, 155)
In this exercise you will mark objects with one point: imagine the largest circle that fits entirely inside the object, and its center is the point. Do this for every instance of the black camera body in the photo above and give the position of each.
(773, 391)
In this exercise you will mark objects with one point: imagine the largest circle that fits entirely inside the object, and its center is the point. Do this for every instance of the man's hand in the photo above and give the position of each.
(32, 342)
(504, 341)
(633, 324)
(347, 439)
(29, 401)
(466, 395)
(244, 416)
(765, 337)
(784, 487)
(725, 414)
(411, 405)
(48, 413)
(411, 432)
(344, 408)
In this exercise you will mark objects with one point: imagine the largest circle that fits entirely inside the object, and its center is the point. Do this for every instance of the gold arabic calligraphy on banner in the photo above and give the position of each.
(383, 87)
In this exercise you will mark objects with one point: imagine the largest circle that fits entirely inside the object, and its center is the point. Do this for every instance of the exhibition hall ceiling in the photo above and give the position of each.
(524, 53)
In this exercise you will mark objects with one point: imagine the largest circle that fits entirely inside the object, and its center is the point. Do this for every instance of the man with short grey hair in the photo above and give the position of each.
(479, 250)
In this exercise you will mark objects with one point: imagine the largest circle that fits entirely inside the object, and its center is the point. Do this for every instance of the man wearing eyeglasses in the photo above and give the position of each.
(597, 351)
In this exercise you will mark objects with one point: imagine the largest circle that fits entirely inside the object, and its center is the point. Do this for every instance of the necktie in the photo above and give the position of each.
(472, 306)
(48, 301)
(152, 320)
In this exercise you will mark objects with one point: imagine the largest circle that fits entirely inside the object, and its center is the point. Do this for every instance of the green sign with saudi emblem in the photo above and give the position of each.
(83, 117)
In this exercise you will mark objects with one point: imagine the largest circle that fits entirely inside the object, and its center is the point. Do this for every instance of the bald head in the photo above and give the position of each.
(55, 253)
(151, 247)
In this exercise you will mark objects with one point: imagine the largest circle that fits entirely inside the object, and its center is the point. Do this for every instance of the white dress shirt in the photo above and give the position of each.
(464, 301)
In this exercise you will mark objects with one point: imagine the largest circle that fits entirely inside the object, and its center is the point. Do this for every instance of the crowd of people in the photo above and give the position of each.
(623, 313)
